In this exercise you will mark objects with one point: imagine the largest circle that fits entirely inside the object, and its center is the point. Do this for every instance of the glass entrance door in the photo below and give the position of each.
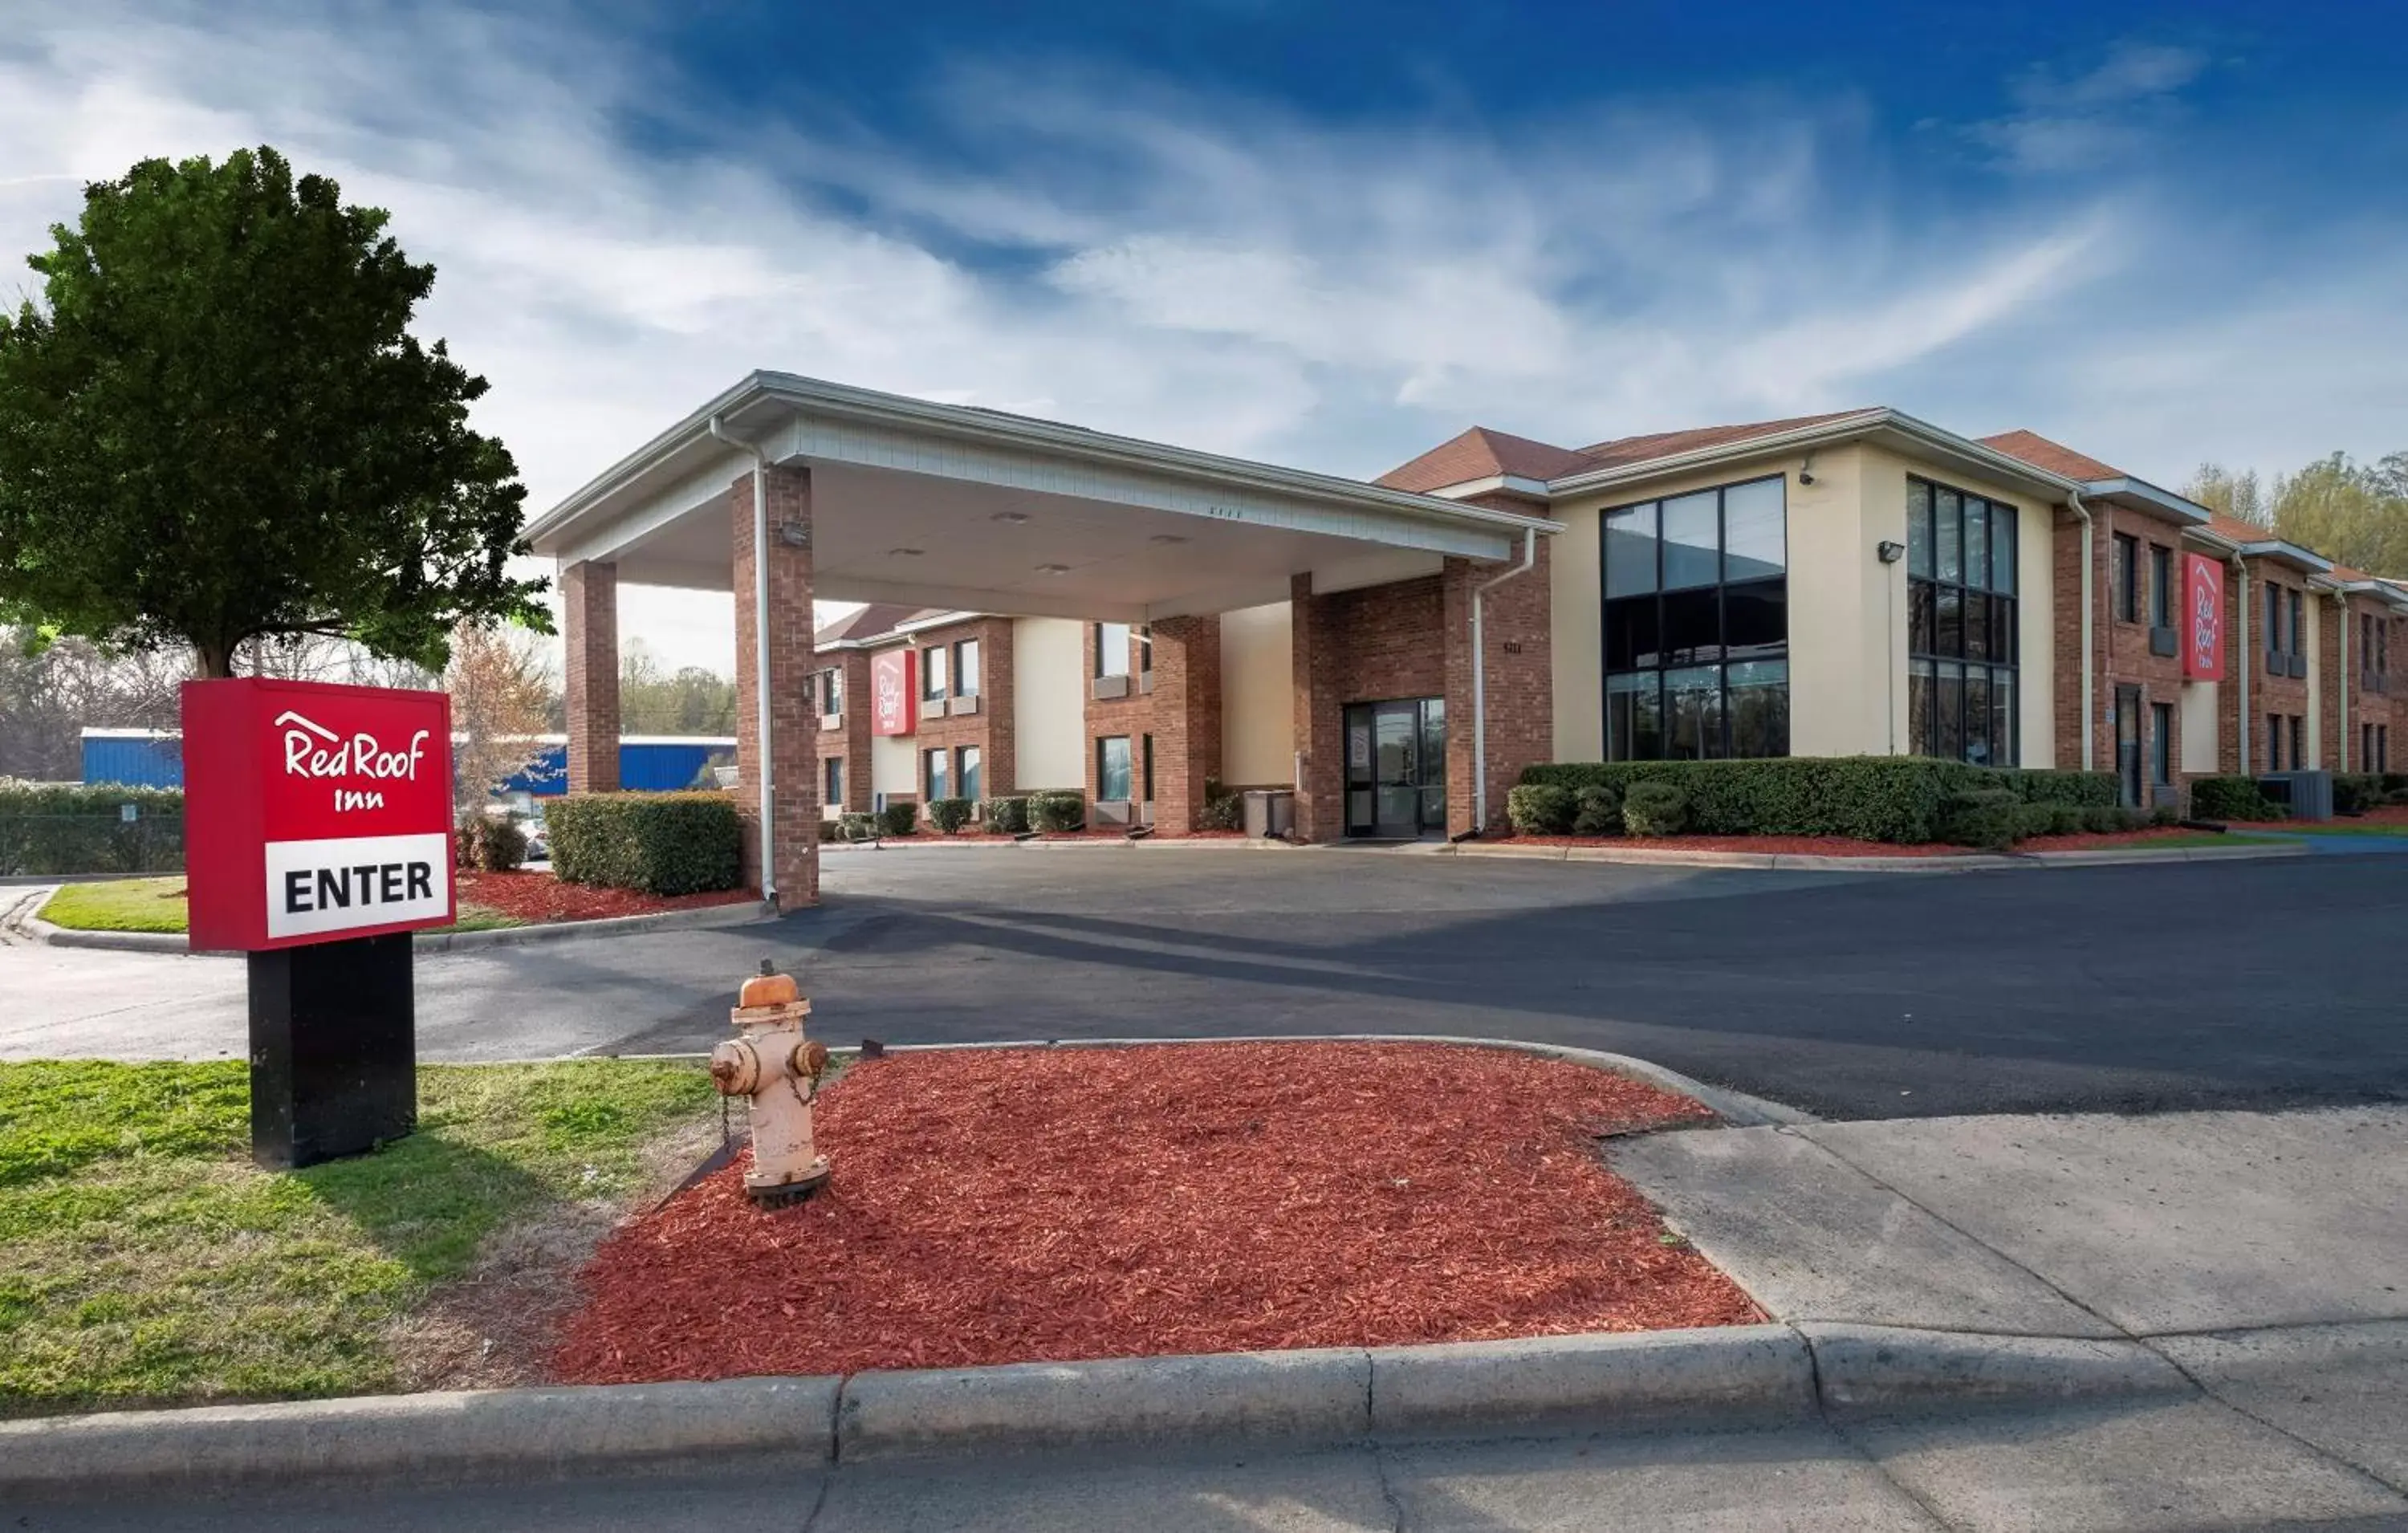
(1396, 769)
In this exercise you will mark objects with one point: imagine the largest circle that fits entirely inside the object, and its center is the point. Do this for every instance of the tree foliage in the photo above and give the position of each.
(2356, 514)
(693, 700)
(500, 700)
(216, 428)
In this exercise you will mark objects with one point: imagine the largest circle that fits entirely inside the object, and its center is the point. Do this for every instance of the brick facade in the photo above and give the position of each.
(1184, 710)
(1519, 682)
(589, 623)
(2270, 696)
(1131, 715)
(2345, 673)
(794, 716)
(988, 731)
(849, 740)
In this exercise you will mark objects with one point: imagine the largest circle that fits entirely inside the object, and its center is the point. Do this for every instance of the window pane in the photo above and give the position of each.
(1630, 551)
(1631, 634)
(1691, 542)
(1921, 601)
(972, 778)
(1918, 529)
(2002, 630)
(1112, 649)
(1949, 626)
(1693, 627)
(2002, 719)
(1977, 542)
(1922, 712)
(936, 783)
(1755, 617)
(1947, 534)
(1756, 538)
(1759, 709)
(1948, 702)
(2002, 547)
(965, 669)
(1433, 762)
(932, 673)
(1113, 768)
(1977, 626)
(1977, 716)
(1634, 718)
(1693, 699)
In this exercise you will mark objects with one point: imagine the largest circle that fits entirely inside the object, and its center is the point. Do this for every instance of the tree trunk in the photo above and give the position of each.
(216, 660)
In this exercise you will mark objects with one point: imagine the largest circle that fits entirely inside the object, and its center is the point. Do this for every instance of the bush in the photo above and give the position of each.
(71, 828)
(2064, 819)
(1989, 818)
(2354, 793)
(492, 843)
(2232, 798)
(2111, 819)
(854, 826)
(2164, 815)
(2054, 785)
(2395, 787)
(1540, 808)
(1599, 812)
(1007, 816)
(1654, 806)
(1223, 810)
(899, 819)
(662, 843)
(950, 814)
(1058, 810)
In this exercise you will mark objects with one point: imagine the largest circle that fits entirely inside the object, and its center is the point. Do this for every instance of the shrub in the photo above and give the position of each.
(2395, 787)
(2055, 785)
(1873, 798)
(662, 843)
(1989, 818)
(855, 826)
(2164, 815)
(1007, 816)
(1223, 810)
(2109, 819)
(2065, 819)
(501, 845)
(1540, 808)
(72, 828)
(1654, 806)
(1599, 812)
(950, 814)
(2232, 798)
(899, 819)
(2354, 793)
(1058, 810)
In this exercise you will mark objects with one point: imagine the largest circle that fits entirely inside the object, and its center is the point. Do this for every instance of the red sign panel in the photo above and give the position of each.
(894, 700)
(313, 813)
(2202, 619)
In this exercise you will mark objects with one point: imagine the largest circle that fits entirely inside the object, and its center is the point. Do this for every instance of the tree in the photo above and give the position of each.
(215, 428)
(2234, 494)
(694, 701)
(500, 696)
(2343, 510)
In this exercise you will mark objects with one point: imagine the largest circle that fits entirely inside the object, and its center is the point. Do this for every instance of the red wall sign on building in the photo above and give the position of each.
(2202, 619)
(313, 813)
(894, 700)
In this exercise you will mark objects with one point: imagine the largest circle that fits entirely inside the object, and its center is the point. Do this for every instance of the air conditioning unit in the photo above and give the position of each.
(2307, 794)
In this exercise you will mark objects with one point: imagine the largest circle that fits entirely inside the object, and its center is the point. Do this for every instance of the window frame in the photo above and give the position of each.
(968, 759)
(933, 675)
(1128, 768)
(2161, 586)
(966, 677)
(2124, 579)
(1932, 667)
(832, 782)
(933, 768)
(1112, 659)
(2161, 744)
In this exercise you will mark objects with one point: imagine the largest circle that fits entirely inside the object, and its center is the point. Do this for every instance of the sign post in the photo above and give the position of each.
(318, 838)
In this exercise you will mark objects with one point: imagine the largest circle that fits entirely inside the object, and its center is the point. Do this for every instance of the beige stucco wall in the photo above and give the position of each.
(2316, 742)
(1049, 703)
(2200, 701)
(1258, 683)
(894, 764)
(1847, 610)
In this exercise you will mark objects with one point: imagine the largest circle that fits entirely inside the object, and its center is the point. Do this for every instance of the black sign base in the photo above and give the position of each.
(334, 1049)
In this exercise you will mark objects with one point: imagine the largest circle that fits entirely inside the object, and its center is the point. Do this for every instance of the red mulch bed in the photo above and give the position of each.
(539, 896)
(1046, 1205)
(2088, 842)
(1816, 846)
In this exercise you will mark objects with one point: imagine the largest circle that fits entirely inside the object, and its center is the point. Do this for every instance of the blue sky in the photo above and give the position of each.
(1328, 236)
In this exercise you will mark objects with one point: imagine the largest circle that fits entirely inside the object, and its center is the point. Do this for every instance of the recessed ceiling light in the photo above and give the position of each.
(905, 554)
(1012, 518)
(1169, 538)
(1053, 569)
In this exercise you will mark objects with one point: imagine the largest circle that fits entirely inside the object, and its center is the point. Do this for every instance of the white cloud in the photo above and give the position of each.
(2094, 119)
(1111, 249)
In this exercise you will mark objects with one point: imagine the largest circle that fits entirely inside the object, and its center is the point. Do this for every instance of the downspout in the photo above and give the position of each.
(760, 649)
(2340, 682)
(2240, 715)
(2089, 626)
(1480, 681)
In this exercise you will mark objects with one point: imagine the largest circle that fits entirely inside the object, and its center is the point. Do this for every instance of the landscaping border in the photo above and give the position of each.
(1806, 862)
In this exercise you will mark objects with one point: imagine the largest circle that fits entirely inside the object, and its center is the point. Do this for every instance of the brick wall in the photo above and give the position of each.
(590, 614)
(2065, 571)
(2344, 680)
(1185, 713)
(2270, 695)
(988, 730)
(1520, 683)
(849, 740)
(794, 717)
(1131, 715)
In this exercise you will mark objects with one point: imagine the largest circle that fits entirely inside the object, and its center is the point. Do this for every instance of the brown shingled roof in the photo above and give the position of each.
(878, 617)
(2238, 530)
(1480, 454)
(2058, 458)
(1664, 444)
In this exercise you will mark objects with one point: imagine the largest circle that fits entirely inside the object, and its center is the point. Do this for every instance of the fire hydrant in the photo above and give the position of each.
(774, 1066)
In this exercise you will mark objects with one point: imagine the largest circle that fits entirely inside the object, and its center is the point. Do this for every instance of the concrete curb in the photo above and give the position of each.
(1588, 1384)
(746, 913)
(1803, 862)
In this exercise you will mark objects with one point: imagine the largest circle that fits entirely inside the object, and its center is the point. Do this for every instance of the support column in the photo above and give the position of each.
(1319, 718)
(794, 718)
(1186, 712)
(590, 618)
(1519, 684)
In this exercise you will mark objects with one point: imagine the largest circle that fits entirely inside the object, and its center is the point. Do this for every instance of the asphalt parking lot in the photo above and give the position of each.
(1858, 996)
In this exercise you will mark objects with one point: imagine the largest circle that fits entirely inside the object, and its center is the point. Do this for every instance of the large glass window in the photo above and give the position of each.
(932, 672)
(2161, 586)
(1697, 624)
(1112, 649)
(936, 777)
(1961, 625)
(972, 780)
(966, 668)
(831, 791)
(1112, 769)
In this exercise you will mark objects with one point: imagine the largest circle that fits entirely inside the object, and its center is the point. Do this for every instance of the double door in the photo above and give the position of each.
(1396, 769)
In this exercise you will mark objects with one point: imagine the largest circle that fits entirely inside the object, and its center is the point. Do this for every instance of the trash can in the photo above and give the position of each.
(1270, 812)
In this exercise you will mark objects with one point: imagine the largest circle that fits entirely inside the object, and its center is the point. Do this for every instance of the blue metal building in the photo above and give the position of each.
(152, 758)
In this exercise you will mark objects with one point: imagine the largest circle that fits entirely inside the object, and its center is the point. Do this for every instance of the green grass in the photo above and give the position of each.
(2346, 827)
(145, 1260)
(157, 905)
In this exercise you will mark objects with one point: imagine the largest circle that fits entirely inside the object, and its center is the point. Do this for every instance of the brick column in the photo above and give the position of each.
(793, 721)
(2334, 685)
(1520, 683)
(590, 618)
(2229, 760)
(1320, 716)
(1186, 719)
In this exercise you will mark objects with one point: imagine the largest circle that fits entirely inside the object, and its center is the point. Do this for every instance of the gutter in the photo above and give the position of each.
(2005, 465)
(761, 770)
(2089, 629)
(2241, 663)
(1480, 681)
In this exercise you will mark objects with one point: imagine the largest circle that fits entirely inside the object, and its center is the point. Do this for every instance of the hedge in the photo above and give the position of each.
(1056, 810)
(950, 814)
(1540, 808)
(1868, 798)
(899, 819)
(662, 843)
(1655, 807)
(72, 828)
(2232, 798)
(2057, 786)
(1597, 812)
(1007, 816)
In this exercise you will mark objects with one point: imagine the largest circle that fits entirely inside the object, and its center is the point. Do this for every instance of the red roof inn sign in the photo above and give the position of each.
(314, 812)
(2202, 619)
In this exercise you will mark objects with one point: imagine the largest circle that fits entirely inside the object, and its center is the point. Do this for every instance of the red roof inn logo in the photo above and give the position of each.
(2202, 619)
(892, 698)
(314, 812)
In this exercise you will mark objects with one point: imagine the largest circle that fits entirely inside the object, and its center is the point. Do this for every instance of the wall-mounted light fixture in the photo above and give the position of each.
(1806, 470)
(1891, 552)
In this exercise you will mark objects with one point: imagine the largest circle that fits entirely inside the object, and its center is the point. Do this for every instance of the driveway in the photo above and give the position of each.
(1861, 996)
